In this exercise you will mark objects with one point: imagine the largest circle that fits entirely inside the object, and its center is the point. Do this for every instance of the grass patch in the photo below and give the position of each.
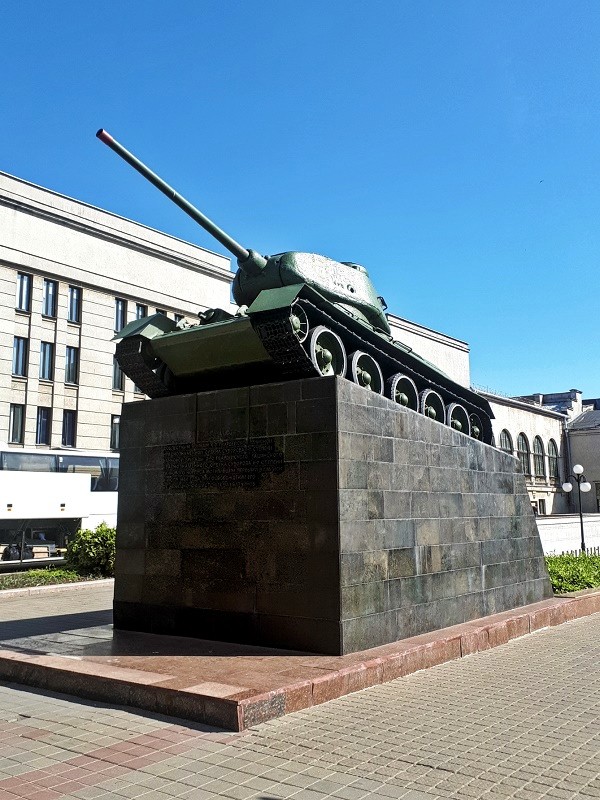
(40, 577)
(570, 573)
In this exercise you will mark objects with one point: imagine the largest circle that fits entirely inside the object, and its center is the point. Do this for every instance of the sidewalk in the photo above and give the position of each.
(228, 685)
(519, 721)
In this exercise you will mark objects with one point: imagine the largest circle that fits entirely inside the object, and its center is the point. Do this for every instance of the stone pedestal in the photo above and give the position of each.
(314, 515)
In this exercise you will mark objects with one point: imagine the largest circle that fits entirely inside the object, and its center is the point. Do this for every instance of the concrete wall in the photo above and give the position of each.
(562, 533)
(448, 354)
(585, 450)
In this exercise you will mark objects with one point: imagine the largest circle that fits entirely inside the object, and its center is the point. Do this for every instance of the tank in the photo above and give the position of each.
(299, 315)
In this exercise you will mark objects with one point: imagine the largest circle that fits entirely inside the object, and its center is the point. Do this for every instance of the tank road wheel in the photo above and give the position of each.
(365, 371)
(327, 352)
(402, 389)
(432, 405)
(457, 418)
(299, 322)
(476, 427)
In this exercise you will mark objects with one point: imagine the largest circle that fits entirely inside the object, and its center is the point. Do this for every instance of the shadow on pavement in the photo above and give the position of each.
(36, 626)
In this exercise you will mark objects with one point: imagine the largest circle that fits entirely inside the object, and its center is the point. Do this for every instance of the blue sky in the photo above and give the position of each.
(450, 147)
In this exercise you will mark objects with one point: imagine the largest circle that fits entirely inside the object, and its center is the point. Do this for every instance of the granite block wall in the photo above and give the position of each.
(228, 516)
(435, 527)
(314, 515)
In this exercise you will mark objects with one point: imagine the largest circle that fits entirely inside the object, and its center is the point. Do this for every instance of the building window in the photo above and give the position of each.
(118, 379)
(72, 365)
(74, 311)
(19, 365)
(46, 361)
(161, 311)
(16, 426)
(506, 442)
(539, 466)
(120, 313)
(115, 426)
(49, 298)
(23, 301)
(68, 428)
(542, 508)
(141, 311)
(44, 425)
(523, 453)
(177, 317)
(553, 459)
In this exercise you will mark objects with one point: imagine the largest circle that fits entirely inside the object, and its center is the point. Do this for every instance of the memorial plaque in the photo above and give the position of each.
(238, 463)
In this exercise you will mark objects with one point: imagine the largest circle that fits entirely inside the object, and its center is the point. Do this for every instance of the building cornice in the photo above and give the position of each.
(427, 333)
(131, 240)
(512, 403)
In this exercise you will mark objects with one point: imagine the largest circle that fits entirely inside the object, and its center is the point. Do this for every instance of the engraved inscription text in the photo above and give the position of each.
(221, 465)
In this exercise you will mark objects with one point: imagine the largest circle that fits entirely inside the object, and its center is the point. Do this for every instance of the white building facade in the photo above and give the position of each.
(535, 436)
(71, 275)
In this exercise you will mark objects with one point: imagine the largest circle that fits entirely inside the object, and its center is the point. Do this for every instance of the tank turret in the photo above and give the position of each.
(343, 283)
(301, 315)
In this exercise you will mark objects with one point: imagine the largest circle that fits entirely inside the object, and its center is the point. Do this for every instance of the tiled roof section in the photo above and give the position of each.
(586, 421)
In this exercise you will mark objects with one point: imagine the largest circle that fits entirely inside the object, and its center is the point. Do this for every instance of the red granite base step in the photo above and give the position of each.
(235, 686)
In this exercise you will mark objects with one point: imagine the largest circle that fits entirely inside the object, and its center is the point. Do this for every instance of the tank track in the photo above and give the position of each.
(143, 369)
(274, 329)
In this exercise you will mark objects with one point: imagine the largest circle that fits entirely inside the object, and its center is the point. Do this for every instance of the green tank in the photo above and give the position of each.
(300, 315)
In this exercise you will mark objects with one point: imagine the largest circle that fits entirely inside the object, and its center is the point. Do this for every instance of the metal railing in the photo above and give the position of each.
(589, 551)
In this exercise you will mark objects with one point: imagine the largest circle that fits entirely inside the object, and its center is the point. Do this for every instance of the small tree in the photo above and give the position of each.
(93, 552)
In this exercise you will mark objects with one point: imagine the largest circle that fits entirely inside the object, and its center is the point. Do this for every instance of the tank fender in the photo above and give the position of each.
(148, 327)
(273, 299)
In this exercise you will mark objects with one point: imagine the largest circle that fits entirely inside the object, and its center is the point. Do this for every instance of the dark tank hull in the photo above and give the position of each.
(290, 333)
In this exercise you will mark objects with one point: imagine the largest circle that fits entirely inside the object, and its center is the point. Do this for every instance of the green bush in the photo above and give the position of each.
(38, 577)
(570, 573)
(93, 552)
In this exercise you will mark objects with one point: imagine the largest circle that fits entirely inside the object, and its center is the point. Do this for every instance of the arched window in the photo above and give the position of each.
(553, 459)
(539, 466)
(523, 453)
(506, 442)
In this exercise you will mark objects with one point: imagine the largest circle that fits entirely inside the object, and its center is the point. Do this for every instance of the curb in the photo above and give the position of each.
(134, 687)
(55, 587)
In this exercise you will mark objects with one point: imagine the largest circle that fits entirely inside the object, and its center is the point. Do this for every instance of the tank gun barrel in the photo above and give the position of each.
(235, 248)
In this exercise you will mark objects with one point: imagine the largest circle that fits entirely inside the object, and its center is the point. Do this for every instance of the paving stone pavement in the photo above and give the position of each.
(78, 616)
(521, 721)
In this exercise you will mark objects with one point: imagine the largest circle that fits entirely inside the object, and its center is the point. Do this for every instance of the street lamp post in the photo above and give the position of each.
(582, 486)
